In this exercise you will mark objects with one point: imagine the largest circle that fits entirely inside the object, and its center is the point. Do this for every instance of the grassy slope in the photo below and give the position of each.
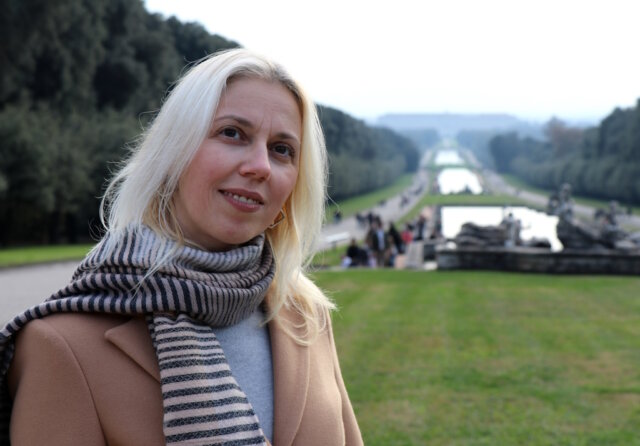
(39, 254)
(362, 202)
(475, 358)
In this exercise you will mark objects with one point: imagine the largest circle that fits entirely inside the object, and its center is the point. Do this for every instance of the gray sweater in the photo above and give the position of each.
(248, 350)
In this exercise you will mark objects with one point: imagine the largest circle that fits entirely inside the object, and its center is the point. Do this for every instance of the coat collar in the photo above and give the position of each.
(290, 368)
(134, 340)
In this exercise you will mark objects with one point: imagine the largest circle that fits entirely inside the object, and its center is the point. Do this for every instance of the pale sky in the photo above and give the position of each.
(531, 58)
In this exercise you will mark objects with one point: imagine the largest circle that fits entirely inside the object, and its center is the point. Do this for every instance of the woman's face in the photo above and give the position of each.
(245, 170)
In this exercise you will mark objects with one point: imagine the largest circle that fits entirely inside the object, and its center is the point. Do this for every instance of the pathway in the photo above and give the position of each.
(340, 233)
(25, 286)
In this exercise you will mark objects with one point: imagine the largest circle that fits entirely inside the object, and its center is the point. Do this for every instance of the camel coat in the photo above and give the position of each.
(80, 379)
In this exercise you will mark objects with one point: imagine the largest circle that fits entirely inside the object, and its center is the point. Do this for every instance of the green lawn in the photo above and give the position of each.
(40, 254)
(362, 202)
(328, 258)
(435, 168)
(485, 358)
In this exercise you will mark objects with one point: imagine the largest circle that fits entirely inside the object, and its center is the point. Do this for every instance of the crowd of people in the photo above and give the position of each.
(381, 247)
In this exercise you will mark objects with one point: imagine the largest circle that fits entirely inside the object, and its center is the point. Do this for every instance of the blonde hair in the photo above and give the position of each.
(141, 193)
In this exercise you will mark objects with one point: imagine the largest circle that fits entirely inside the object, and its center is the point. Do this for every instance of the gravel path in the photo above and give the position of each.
(391, 210)
(25, 286)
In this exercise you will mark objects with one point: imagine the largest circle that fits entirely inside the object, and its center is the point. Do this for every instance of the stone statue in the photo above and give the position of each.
(603, 234)
(472, 234)
(560, 203)
(506, 235)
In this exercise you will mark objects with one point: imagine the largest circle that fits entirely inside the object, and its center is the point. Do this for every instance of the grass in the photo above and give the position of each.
(485, 358)
(520, 184)
(360, 203)
(329, 257)
(435, 168)
(41, 254)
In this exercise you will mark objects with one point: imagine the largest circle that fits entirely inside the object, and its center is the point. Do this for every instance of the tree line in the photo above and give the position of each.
(600, 162)
(79, 81)
(362, 158)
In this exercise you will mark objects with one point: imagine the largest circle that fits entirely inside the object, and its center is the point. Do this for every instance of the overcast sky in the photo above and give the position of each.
(534, 59)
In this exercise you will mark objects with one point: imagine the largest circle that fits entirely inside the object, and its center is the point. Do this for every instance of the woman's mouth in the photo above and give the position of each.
(245, 200)
(242, 198)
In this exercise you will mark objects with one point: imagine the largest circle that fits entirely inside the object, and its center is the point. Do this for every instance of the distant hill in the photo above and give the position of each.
(449, 124)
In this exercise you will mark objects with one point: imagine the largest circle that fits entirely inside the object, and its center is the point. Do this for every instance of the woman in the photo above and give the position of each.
(161, 335)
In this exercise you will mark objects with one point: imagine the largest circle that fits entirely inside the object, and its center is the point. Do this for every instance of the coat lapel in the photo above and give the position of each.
(290, 369)
(291, 380)
(134, 340)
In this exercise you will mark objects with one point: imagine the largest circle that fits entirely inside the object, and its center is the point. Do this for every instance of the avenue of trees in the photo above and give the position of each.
(80, 79)
(477, 140)
(601, 162)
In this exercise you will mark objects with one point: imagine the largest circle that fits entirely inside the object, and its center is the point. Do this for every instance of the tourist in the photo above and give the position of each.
(419, 227)
(395, 238)
(391, 252)
(192, 321)
(377, 243)
(355, 255)
(407, 234)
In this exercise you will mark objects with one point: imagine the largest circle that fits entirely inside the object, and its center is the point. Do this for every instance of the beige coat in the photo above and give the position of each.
(79, 379)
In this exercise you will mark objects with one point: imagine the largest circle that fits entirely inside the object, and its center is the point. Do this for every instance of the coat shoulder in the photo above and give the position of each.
(74, 326)
(67, 372)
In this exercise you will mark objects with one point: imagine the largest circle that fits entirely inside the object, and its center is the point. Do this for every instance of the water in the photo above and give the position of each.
(453, 180)
(448, 157)
(535, 224)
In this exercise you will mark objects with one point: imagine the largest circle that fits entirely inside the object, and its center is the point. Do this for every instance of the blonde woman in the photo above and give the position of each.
(192, 321)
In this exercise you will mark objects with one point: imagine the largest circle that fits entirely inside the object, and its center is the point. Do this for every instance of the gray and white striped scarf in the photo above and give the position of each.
(183, 300)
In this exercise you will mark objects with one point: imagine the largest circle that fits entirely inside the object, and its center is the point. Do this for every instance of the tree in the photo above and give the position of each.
(504, 148)
(564, 139)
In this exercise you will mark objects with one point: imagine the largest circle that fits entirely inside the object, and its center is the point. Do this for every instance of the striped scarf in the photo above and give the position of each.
(182, 301)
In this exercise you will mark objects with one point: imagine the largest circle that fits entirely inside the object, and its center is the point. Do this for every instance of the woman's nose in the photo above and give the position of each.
(257, 163)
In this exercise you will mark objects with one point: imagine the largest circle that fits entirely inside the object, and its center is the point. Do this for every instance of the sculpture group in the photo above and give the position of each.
(603, 233)
(600, 234)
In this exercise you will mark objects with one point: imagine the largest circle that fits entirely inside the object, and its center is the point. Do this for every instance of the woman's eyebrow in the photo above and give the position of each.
(239, 119)
(289, 136)
(246, 123)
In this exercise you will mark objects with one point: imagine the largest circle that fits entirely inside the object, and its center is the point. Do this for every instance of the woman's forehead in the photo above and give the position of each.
(256, 100)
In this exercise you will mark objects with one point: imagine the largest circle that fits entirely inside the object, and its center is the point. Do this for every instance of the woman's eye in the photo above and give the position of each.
(284, 150)
(230, 132)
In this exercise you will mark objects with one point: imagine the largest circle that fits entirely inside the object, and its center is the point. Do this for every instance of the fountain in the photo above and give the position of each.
(599, 247)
